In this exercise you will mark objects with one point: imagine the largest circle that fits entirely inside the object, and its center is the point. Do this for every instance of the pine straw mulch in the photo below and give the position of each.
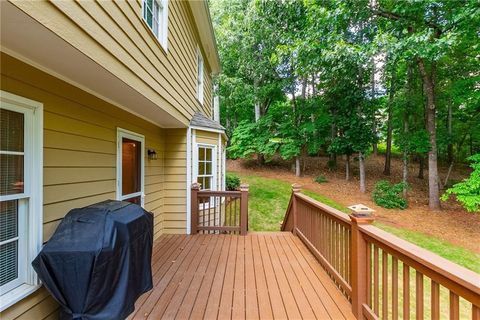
(452, 223)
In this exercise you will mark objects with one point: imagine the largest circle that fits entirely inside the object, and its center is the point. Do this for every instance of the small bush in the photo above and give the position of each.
(389, 196)
(320, 179)
(232, 182)
(467, 191)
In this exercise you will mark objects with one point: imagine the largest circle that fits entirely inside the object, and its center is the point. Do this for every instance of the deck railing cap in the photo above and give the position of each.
(196, 186)
(244, 187)
(296, 187)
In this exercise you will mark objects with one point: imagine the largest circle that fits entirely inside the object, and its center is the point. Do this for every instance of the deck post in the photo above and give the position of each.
(244, 209)
(194, 208)
(359, 264)
(296, 188)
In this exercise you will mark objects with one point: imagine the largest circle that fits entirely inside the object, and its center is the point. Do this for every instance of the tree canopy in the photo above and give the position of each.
(336, 77)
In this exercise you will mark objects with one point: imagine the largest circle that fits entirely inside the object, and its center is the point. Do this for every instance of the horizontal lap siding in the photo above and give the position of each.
(115, 36)
(175, 211)
(80, 133)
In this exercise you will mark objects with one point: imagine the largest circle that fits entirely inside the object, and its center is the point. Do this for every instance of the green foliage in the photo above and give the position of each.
(320, 179)
(232, 181)
(467, 192)
(389, 196)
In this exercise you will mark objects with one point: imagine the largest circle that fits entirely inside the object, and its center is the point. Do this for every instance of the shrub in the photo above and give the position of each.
(320, 179)
(468, 191)
(389, 196)
(232, 182)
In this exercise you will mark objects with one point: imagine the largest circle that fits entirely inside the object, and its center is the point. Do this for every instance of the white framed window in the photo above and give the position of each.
(155, 15)
(200, 75)
(21, 168)
(130, 167)
(206, 166)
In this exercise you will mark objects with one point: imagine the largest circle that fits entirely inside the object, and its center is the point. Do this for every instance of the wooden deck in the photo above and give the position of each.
(258, 276)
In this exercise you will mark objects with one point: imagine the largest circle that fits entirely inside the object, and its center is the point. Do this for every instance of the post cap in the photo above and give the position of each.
(361, 211)
(296, 187)
(196, 186)
(244, 187)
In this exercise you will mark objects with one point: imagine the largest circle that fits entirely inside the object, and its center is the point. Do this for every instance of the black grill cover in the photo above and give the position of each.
(98, 261)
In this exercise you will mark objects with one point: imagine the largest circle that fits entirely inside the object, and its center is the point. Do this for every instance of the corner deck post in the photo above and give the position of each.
(244, 209)
(296, 188)
(194, 208)
(359, 263)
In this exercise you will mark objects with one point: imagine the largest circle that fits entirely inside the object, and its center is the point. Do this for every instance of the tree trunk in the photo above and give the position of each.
(388, 151)
(449, 129)
(406, 115)
(333, 156)
(374, 121)
(257, 111)
(429, 88)
(361, 164)
(347, 168)
(421, 165)
(298, 170)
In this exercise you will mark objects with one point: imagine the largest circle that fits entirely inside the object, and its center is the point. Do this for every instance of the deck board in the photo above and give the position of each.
(258, 276)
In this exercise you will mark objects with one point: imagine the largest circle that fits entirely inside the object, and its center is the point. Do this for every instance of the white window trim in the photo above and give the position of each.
(32, 238)
(162, 23)
(200, 77)
(122, 133)
(214, 163)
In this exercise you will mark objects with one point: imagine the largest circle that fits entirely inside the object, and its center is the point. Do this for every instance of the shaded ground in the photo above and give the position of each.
(452, 224)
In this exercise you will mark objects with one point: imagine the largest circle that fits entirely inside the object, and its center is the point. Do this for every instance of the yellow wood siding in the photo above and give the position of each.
(175, 181)
(113, 34)
(80, 133)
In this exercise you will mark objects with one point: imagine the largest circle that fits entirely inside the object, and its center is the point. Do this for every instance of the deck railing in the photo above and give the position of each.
(383, 276)
(219, 211)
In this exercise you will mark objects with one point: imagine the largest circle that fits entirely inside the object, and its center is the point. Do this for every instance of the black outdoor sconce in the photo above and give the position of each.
(152, 154)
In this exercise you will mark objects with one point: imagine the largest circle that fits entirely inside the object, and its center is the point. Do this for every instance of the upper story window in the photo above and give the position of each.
(200, 83)
(155, 14)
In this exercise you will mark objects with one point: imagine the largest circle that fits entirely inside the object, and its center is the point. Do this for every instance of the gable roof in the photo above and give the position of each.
(200, 120)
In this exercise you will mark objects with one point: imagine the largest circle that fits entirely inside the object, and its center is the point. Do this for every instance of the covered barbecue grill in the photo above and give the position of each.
(98, 261)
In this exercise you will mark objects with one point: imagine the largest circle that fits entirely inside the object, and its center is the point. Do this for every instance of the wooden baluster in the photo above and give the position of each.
(384, 285)
(376, 280)
(419, 295)
(406, 292)
(435, 300)
(342, 253)
(454, 306)
(359, 263)
(369, 275)
(244, 209)
(394, 288)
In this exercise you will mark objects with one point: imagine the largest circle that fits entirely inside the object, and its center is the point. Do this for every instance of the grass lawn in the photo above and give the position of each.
(268, 201)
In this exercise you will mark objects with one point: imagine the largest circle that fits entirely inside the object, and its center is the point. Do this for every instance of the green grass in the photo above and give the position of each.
(268, 201)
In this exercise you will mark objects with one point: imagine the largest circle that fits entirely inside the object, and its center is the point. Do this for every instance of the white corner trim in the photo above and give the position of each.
(189, 180)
